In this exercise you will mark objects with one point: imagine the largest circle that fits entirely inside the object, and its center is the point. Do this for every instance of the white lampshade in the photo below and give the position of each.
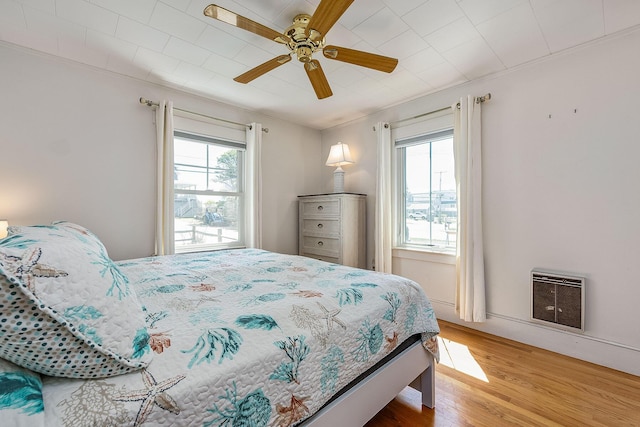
(3, 228)
(339, 155)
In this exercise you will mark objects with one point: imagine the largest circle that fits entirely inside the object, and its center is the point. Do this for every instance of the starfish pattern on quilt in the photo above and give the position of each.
(27, 268)
(330, 316)
(152, 394)
(321, 324)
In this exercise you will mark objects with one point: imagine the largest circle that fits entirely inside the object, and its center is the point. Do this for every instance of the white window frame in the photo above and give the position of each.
(207, 132)
(433, 127)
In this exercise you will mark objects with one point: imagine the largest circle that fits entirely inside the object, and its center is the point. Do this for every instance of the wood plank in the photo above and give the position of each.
(525, 386)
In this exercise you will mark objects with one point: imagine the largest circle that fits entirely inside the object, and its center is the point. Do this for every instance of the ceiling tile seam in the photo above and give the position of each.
(448, 62)
(504, 66)
(121, 15)
(368, 17)
(165, 43)
(229, 33)
(405, 14)
(480, 35)
(604, 20)
(153, 11)
(444, 60)
(95, 6)
(604, 32)
(24, 16)
(64, 20)
(544, 36)
(169, 3)
(209, 53)
(515, 5)
(171, 34)
(115, 36)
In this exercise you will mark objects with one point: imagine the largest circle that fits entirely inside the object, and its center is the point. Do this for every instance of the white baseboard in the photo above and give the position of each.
(580, 346)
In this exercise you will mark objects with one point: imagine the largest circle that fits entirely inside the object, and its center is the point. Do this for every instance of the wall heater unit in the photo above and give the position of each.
(557, 300)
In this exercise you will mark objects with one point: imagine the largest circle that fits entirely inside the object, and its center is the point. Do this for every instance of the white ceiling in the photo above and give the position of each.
(439, 43)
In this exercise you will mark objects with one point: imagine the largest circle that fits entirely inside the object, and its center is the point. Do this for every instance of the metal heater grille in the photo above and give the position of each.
(557, 300)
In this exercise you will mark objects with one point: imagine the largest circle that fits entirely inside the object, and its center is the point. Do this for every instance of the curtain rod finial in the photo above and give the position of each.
(483, 98)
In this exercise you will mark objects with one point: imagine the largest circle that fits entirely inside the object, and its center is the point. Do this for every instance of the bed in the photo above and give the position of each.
(241, 337)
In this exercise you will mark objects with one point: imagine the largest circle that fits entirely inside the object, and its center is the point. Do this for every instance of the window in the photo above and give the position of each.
(427, 202)
(209, 192)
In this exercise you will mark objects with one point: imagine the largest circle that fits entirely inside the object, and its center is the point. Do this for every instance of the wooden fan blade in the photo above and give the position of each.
(318, 79)
(363, 59)
(224, 15)
(261, 69)
(327, 13)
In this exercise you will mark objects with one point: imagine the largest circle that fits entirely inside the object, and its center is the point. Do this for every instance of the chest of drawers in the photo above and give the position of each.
(332, 227)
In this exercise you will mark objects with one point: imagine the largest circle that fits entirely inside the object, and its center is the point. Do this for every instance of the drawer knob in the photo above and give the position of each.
(320, 243)
(320, 225)
(320, 208)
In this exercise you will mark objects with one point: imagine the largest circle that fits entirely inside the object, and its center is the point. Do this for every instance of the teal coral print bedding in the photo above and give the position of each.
(21, 402)
(246, 337)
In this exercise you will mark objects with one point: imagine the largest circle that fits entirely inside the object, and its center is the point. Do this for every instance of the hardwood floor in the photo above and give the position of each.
(485, 380)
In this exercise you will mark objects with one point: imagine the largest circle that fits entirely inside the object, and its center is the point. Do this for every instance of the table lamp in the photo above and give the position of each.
(339, 156)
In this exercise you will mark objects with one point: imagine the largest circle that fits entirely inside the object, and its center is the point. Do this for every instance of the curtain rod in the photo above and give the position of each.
(479, 99)
(149, 103)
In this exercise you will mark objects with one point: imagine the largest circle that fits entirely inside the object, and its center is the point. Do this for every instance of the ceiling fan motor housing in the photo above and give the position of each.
(302, 44)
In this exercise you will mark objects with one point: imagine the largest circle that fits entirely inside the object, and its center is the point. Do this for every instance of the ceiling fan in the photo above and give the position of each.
(305, 37)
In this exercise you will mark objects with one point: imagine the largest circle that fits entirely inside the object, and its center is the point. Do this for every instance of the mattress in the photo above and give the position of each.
(247, 337)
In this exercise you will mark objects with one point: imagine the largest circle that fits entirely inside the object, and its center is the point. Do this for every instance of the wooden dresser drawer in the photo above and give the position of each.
(315, 208)
(333, 260)
(321, 227)
(321, 245)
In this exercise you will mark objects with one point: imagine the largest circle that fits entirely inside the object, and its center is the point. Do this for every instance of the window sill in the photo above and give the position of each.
(206, 248)
(420, 254)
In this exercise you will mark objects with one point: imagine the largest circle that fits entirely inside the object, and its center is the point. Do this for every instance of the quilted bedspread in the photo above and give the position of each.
(246, 337)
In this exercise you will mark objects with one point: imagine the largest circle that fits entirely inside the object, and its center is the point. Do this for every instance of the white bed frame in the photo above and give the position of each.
(414, 366)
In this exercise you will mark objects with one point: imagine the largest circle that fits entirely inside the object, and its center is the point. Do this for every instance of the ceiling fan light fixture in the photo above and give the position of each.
(304, 53)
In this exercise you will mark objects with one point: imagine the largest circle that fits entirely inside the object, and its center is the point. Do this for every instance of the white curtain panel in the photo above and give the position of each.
(470, 289)
(383, 232)
(253, 218)
(164, 209)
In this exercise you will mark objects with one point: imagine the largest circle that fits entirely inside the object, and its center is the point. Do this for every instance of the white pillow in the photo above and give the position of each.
(67, 310)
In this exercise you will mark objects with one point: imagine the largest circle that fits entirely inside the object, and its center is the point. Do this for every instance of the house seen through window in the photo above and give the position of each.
(427, 205)
(208, 192)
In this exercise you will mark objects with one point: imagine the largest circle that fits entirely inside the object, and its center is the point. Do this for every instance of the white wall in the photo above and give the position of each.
(76, 144)
(559, 192)
(561, 143)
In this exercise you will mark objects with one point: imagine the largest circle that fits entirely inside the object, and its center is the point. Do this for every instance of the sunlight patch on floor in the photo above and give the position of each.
(457, 356)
